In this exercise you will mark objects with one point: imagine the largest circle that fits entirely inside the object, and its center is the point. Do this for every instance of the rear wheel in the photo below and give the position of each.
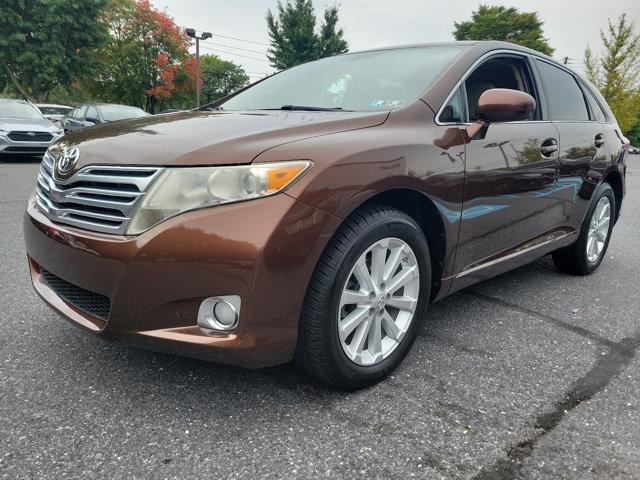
(588, 251)
(365, 299)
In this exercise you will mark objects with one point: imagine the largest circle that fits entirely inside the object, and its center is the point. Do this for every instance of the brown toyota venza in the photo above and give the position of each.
(313, 216)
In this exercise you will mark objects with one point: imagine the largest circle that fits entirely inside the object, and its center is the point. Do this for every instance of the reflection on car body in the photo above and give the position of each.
(314, 215)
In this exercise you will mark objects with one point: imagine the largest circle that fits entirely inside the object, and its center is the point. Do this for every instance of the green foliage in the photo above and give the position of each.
(3, 81)
(72, 95)
(220, 77)
(616, 72)
(142, 56)
(49, 43)
(633, 134)
(293, 34)
(493, 22)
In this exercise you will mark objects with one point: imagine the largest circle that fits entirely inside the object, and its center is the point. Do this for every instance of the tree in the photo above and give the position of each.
(220, 77)
(144, 53)
(46, 44)
(617, 71)
(293, 34)
(506, 24)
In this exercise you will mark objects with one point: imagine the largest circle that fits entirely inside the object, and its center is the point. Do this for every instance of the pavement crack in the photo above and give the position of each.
(608, 366)
(546, 318)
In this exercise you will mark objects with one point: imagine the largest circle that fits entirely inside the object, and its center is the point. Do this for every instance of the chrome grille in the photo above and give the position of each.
(99, 198)
(30, 136)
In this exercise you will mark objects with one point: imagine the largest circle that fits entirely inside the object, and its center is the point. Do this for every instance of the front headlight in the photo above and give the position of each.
(59, 132)
(178, 190)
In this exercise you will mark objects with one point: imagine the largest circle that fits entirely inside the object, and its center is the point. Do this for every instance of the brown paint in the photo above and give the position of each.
(495, 203)
(504, 105)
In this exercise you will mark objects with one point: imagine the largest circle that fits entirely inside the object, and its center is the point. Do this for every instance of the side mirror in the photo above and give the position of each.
(501, 105)
(505, 105)
(95, 121)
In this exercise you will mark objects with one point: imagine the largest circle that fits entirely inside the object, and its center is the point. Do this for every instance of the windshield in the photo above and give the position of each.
(380, 80)
(111, 113)
(18, 110)
(55, 110)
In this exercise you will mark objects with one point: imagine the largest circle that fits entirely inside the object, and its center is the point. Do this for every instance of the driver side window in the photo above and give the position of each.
(499, 72)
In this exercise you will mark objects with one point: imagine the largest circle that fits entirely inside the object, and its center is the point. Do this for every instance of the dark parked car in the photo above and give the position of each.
(23, 129)
(95, 113)
(315, 215)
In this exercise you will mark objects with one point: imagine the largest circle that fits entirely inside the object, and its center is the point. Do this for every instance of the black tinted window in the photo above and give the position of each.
(564, 97)
(597, 110)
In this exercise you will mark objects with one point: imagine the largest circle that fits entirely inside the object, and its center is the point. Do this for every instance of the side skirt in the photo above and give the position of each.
(508, 260)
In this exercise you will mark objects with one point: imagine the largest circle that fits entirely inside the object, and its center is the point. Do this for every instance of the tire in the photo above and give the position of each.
(574, 259)
(320, 350)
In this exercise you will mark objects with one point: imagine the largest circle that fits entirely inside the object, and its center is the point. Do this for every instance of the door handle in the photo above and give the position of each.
(549, 147)
(599, 141)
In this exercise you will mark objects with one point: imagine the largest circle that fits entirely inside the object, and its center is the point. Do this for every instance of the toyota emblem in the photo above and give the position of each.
(68, 160)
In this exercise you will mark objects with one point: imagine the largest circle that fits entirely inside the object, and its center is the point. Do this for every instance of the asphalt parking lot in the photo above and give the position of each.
(532, 375)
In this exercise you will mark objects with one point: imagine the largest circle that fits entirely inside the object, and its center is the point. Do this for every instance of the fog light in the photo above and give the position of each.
(219, 313)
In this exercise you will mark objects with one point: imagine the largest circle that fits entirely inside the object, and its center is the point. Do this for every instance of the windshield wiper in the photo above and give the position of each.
(313, 109)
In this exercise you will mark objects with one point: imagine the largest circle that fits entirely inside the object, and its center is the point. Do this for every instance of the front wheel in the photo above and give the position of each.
(366, 297)
(586, 254)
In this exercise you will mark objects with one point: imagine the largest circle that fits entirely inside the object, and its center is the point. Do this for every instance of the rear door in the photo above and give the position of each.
(588, 139)
(510, 175)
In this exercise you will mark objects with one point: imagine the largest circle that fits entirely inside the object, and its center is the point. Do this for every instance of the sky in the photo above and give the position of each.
(568, 24)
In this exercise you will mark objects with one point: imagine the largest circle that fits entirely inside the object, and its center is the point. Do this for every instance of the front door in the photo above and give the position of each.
(509, 177)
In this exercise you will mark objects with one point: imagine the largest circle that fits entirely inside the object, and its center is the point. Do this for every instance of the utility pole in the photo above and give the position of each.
(191, 32)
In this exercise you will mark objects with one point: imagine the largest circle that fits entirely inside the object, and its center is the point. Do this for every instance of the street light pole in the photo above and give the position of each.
(198, 72)
(191, 32)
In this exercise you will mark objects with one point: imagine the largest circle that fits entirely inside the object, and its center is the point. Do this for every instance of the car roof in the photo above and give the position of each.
(106, 105)
(436, 94)
(14, 100)
(478, 45)
(51, 105)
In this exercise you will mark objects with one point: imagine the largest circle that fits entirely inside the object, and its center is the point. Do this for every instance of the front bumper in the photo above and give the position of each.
(11, 147)
(263, 250)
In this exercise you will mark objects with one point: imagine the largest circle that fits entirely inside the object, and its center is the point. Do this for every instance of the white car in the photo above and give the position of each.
(53, 112)
(24, 130)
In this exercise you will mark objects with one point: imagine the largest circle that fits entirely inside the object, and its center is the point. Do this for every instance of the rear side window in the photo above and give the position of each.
(597, 110)
(564, 96)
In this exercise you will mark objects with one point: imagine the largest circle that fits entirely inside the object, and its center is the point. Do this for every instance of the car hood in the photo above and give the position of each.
(205, 138)
(27, 124)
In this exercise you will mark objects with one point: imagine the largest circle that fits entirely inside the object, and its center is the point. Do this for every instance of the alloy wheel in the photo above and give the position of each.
(598, 229)
(378, 301)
